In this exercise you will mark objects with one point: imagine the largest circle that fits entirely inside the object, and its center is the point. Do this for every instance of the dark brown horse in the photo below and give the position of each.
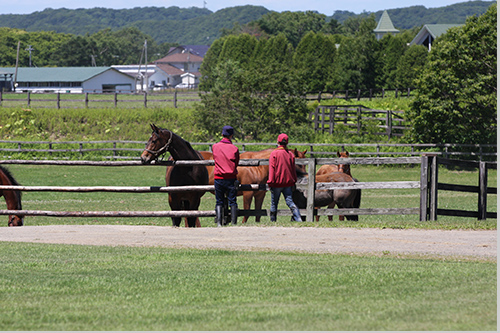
(252, 175)
(163, 140)
(329, 168)
(343, 198)
(12, 197)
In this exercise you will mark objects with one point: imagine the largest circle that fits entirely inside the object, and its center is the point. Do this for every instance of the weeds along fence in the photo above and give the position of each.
(119, 150)
(357, 119)
(428, 185)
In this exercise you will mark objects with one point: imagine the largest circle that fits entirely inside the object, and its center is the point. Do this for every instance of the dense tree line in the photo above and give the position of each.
(103, 48)
(257, 79)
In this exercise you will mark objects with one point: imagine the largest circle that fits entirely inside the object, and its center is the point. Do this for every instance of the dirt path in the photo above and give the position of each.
(461, 243)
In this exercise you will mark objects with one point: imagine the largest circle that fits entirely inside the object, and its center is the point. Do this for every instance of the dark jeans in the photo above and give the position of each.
(222, 187)
(275, 197)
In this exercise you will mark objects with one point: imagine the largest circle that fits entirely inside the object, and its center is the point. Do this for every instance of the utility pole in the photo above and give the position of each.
(29, 49)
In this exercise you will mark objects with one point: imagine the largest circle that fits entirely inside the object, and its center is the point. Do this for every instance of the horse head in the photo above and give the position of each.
(345, 168)
(300, 154)
(157, 144)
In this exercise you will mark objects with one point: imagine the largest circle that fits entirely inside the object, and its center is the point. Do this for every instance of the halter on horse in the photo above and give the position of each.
(12, 198)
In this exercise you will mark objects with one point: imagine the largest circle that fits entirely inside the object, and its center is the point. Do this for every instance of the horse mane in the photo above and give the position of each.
(188, 145)
(9, 175)
(11, 178)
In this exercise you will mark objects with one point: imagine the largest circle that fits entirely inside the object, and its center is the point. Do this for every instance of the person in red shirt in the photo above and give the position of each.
(226, 157)
(282, 177)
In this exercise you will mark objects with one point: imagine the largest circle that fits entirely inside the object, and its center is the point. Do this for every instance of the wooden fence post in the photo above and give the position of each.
(389, 123)
(359, 94)
(145, 99)
(359, 119)
(332, 119)
(483, 191)
(29, 98)
(116, 99)
(86, 99)
(424, 182)
(346, 95)
(433, 189)
(58, 100)
(175, 99)
(311, 187)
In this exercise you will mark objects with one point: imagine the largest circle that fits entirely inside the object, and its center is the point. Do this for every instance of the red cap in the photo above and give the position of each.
(282, 138)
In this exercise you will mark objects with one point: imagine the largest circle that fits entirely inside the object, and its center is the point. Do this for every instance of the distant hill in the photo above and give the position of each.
(182, 25)
(416, 16)
(201, 26)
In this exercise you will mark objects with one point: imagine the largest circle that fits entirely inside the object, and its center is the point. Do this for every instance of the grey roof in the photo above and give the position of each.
(385, 24)
(56, 74)
(435, 30)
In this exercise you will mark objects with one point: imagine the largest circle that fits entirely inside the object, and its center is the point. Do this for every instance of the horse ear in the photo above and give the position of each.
(347, 153)
(154, 128)
(304, 152)
(338, 153)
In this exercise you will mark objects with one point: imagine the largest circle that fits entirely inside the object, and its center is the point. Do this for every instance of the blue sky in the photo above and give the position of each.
(327, 7)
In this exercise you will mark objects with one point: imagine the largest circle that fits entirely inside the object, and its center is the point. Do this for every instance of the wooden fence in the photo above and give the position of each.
(358, 94)
(97, 99)
(428, 189)
(119, 149)
(357, 119)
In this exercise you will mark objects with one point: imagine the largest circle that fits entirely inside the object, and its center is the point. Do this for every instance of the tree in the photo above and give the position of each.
(457, 96)
(252, 86)
(314, 60)
(357, 65)
(410, 65)
(293, 24)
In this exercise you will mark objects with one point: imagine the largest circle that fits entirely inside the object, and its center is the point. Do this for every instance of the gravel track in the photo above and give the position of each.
(455, 243)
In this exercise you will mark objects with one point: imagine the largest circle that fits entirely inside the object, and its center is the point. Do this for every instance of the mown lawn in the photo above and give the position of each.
(64, 287)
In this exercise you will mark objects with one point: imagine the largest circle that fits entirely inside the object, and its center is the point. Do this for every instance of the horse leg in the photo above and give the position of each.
(176, 221)
(186, 224)
(247, 202)
(331, 206)
(259, 199)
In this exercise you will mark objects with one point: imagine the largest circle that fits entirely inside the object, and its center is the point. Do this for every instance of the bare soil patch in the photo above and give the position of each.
(456, 243)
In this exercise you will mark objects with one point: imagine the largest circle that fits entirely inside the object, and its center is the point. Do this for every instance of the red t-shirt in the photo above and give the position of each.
(226, 157)
(282, 168)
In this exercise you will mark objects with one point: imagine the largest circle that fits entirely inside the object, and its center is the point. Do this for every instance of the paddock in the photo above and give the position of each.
(427, 184)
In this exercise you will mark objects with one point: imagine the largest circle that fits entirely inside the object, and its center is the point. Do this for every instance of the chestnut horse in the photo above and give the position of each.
(252, 175)
(12, 197)
(329, 168)
(163, 140)
(343, 198)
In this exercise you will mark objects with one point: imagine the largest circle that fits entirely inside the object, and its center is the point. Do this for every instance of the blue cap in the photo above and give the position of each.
(227, 130)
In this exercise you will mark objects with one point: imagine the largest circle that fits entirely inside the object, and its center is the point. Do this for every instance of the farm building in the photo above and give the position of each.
(180, 68)
(384, 26)
(430, 32)
(70, 79)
